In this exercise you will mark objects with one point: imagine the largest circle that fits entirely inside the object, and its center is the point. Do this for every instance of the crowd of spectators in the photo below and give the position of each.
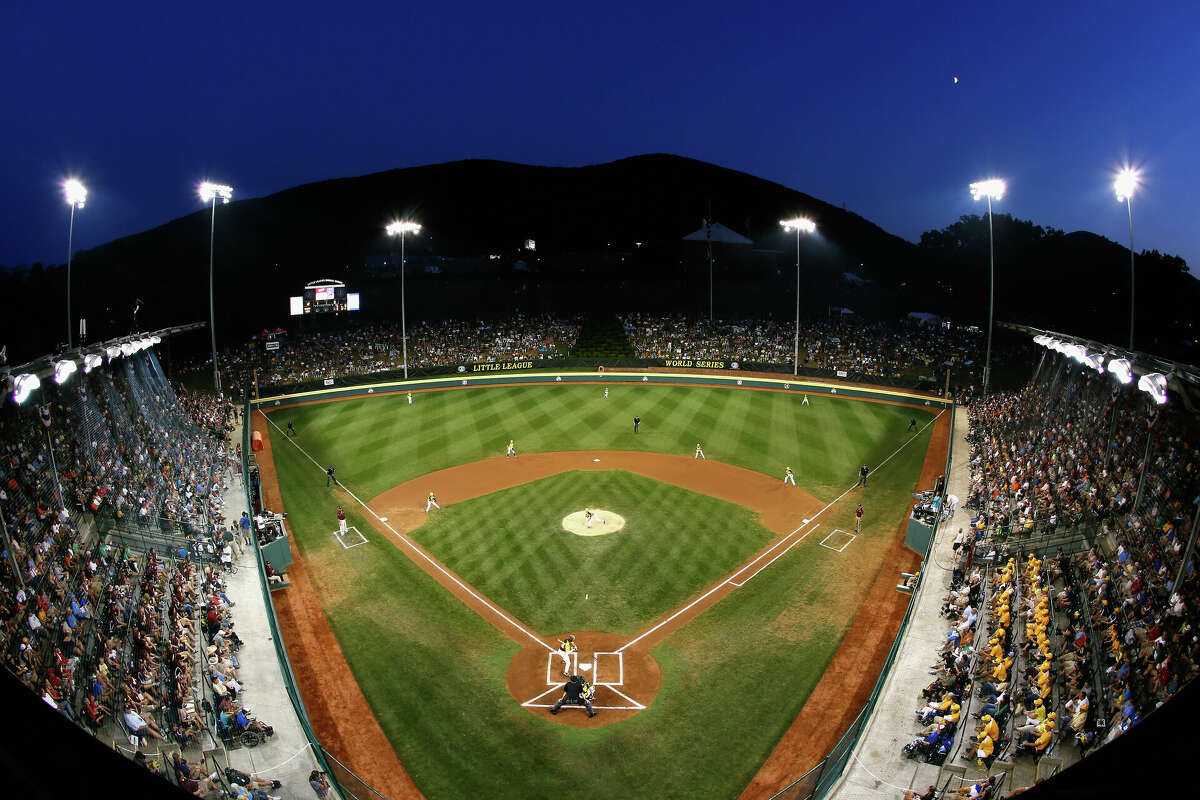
(908, 349)
(126, 640)
(317, 355)
(1107, 634)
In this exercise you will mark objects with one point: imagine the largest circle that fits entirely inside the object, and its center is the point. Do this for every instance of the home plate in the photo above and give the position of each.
(585, 666)
(595, 459)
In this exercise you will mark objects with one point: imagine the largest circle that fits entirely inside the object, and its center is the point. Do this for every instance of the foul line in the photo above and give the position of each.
(414, 548)
(729, 581)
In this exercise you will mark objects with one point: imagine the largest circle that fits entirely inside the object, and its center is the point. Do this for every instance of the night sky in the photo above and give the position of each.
(852, 103)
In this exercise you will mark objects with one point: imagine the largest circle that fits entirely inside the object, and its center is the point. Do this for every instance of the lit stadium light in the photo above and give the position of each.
(64, 369)
(146, 343)
(209, 192)
(74, 192)
(1042, 339)
(798, 224)
(1155, 385)
(992, 188)
(155, 339)
(127, 349)
(24, 385)
(402, 226)
(1121, 369)
(1126, 183)
(112, 352)
(399, 228)
(91, 361)
(1094, 360)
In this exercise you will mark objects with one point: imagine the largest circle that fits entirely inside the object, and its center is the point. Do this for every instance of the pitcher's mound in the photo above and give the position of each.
(603, 522)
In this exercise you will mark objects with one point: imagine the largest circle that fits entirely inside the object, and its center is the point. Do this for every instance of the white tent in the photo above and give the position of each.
(720, 235)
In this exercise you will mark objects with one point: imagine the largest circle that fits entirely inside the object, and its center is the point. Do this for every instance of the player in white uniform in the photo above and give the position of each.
(592, 516)
(788, 477)
(804, 402)
(432, 503)
(605, 392)
(699, 452)
(410, 398)
(565, 648)
(511, 450)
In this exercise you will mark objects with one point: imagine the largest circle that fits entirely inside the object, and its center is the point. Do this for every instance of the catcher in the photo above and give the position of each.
(576, 692)
(565, 648)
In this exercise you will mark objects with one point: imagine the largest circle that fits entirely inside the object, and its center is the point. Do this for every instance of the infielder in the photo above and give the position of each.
(699, 452)
(341, 515)
(565, 648)
(858, 515)
(788, 477)
(432, 503)
(592, 516)
(511, 450)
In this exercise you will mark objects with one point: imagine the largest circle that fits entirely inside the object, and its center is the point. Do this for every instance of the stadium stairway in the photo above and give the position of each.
(601, 337)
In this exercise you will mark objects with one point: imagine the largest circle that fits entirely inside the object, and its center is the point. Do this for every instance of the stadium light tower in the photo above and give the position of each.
(76, 195)
(992, 189)
(210, 193)
(806, 225)
(1124, 185)
(399, 228)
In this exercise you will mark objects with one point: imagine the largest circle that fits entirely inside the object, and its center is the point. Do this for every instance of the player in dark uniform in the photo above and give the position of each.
(636, 421)
(329, 477)
(575, 692)
(862, 475)
(912, 423)
(291, 430)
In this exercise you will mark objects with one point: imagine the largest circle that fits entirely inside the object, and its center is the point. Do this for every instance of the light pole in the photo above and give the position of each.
(76, 195)
(806, 225)
(1124, 185)
(399, 228)
(209, 193)
(992, 189)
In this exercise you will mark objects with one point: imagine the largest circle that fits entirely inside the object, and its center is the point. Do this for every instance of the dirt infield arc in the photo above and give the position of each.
(783, 510)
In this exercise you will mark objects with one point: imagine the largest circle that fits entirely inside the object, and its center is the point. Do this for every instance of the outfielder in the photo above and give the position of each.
(788, 477)
(432, 503)
(410, 398)
(699, 452)
(511, 450)
(341, 515)
(565, 648)
(592, 516)
(804, 402)
(605, 392)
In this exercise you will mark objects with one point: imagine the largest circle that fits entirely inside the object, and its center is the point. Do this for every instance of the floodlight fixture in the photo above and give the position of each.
(210, 192)
(992, 189)
(112, 351)
(1094, 360)
(155, 339)
(1041, 339)
(74, 192)
(798, 224)
(1121, 369)
(146, 343)
(1155, 385)
(64, 369)
(1126, 183)
(24, 385)
(400, 227)
(127, 349)
(91, 361)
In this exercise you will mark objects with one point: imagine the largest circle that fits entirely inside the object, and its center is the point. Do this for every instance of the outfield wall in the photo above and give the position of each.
(796, 385)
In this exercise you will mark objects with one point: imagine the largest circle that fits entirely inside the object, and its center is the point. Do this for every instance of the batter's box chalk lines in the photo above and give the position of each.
(348, 542)
(449, 576)
(730, 580)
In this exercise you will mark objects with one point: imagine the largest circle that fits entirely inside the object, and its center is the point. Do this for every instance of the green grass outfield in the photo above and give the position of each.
(734, 678)
(378, 442)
